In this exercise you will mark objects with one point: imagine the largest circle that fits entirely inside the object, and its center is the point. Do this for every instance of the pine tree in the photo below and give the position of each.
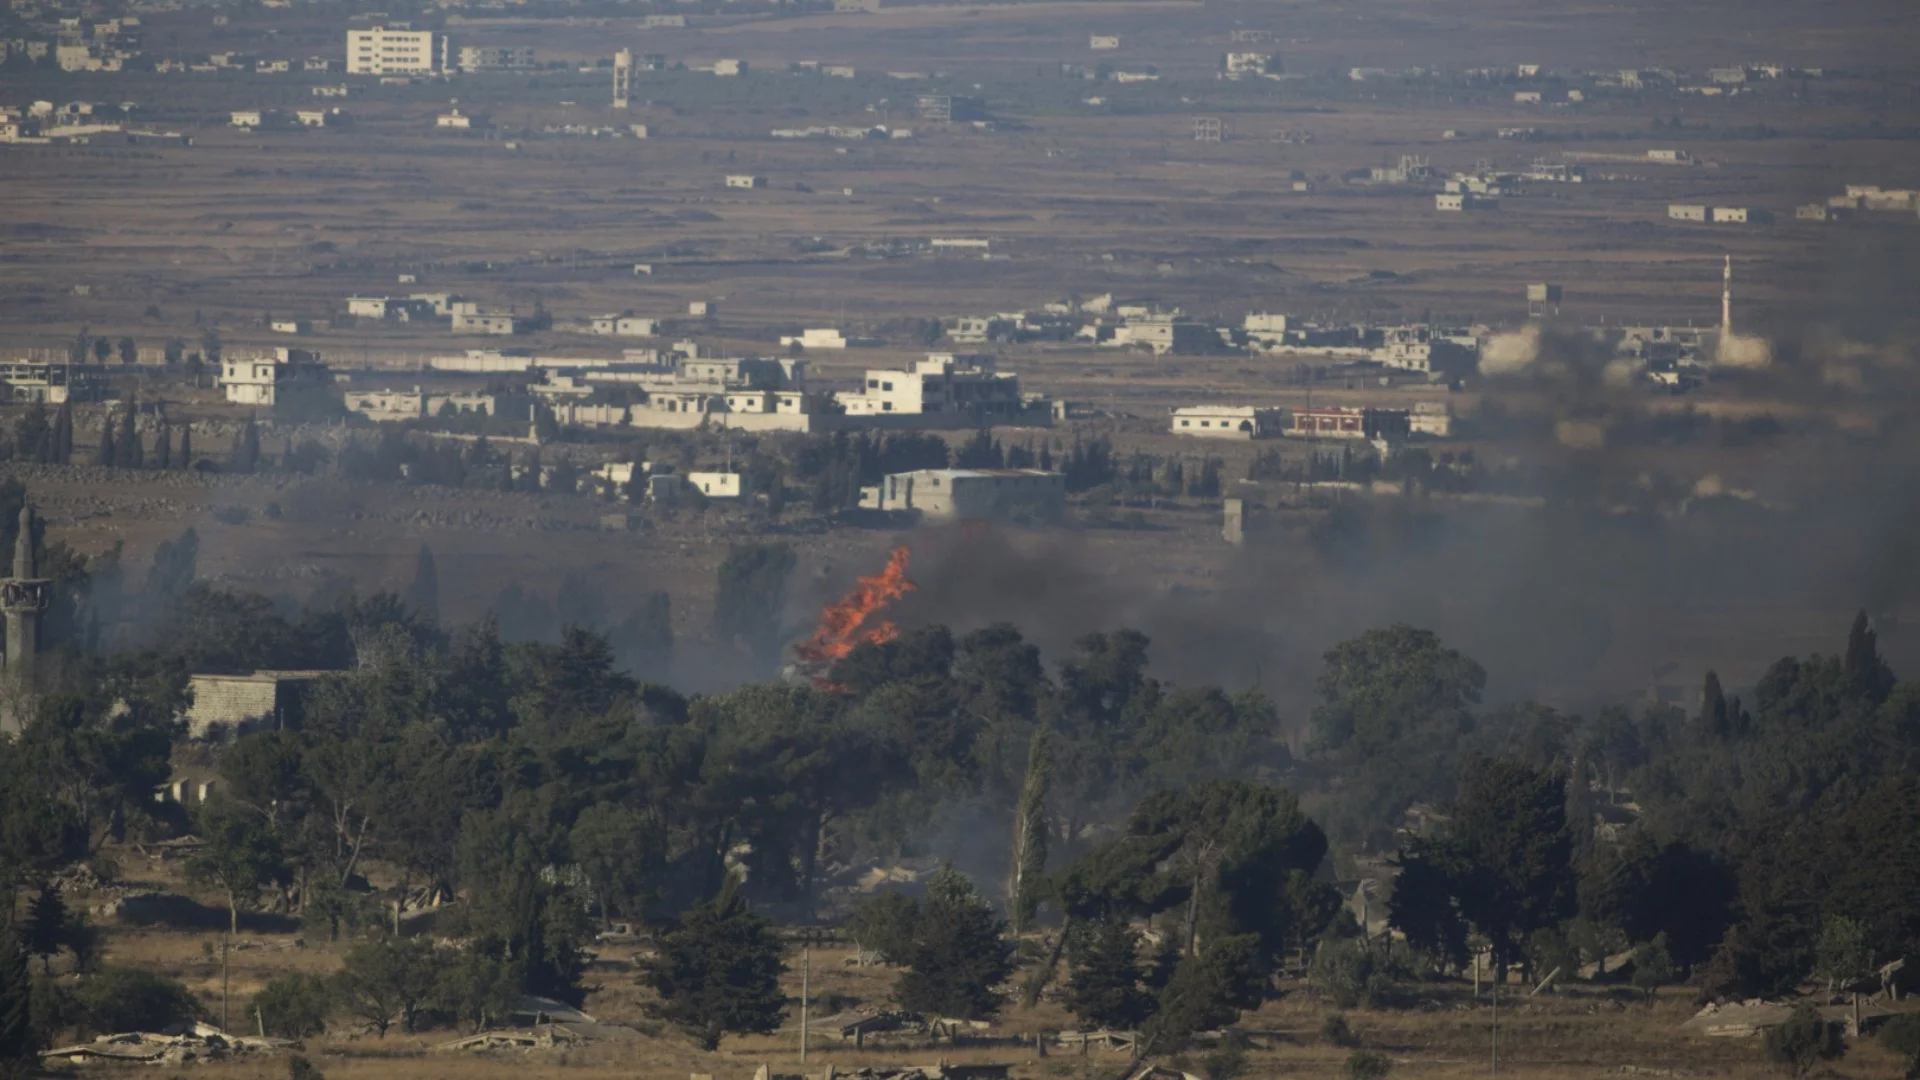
(186, 446)
(423, 596)
(959, 953)
(719, 973)
(1030, 836)
(1107, 988)
(163, 445)
(46, 927)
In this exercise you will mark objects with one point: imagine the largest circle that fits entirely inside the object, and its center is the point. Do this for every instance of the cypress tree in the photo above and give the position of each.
(106, 456)
(163, 445)
(1030, 836)
(424, 595)
(19, 1049)
(186, 446)
(131, 454)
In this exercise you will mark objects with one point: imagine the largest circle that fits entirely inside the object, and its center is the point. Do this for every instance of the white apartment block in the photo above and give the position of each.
(382, 50)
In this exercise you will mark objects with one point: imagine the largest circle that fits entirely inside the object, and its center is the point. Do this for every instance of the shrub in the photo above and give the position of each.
(125, 999)
(1804, 1040)
(1337, 1031)
(299, 1068)
(1227, 1061)
(1368, 1065)
(1902, 1036)
(1348, 973)
(294, 1006)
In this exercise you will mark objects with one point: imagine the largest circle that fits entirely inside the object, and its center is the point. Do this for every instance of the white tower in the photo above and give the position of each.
(622, 77)
(1726, 301)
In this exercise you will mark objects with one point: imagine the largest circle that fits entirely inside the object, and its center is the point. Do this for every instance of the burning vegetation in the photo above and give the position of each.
(850, 620)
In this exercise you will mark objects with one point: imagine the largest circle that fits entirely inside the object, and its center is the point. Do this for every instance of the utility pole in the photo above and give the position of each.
(806, 974)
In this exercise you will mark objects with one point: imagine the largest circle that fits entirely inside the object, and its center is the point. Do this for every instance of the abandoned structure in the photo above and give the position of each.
(228, 704)
(1021, 495)
(273, 379)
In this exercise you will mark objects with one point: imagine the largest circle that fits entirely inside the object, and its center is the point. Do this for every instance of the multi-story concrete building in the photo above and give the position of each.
(495, 57)
(966, 388)
(395, 50)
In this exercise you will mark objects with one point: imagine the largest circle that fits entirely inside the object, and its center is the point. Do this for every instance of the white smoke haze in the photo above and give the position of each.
(1744, 351)
(1512, 352)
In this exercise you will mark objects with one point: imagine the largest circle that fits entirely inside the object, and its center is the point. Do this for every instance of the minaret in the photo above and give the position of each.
(23, 597)
(1726, 301)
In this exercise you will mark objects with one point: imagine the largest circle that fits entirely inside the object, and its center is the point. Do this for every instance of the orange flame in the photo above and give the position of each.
(843, 624)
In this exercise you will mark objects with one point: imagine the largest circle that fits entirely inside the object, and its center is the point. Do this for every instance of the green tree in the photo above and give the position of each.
(718, 973)
(1385, 683)
(239, 855)
(1652, 967)
(1108, 983)
(175, 565)
(478, 988)
(1901, 1035)
(1843, 954)
(389, 981)
(623, 855)
(960, 952)
(130, 453)
(129, 352)
(294, 1006)
(1514, 853)
(116, 999)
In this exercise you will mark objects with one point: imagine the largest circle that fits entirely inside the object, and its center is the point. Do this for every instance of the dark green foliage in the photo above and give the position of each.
(1387, 684)
(1228, 1058)
(959, 954)
(1652, 967)
(115, 999)
(1368, 1065)
(294, 1006)
(19, 1042)
(1803, 1041)
(1349, 974)
(47, 927)
(299, 1068)
(1108, 984)
(387, 982)
(1503, 864)
(175, 565)
(1207, 990)
(885, 924)
(718, 973)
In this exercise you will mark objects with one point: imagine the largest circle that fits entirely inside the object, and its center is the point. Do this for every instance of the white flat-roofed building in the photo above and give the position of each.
(718, 485)
(1226, 422)
(624, 326)
(941, 383)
